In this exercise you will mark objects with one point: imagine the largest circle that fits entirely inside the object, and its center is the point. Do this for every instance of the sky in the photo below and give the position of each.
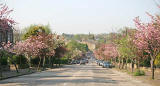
(81, 16)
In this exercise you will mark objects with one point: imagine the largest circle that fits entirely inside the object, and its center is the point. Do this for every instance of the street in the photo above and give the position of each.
(75, 75)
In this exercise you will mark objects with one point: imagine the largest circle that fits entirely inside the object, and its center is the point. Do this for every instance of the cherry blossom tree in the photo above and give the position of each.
(98, 52)
(106, 52)
(6, 23)
(5, 20)
(110, 51)
(147, 38)
(40, 46)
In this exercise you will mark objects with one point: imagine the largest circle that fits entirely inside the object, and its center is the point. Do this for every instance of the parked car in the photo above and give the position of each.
(101, 63)
(107, 64)
(86, 60)
(75, 62)
(97, 61)
(82, 62)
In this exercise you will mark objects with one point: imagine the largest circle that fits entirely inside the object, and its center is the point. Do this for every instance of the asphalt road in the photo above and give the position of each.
(75, 75)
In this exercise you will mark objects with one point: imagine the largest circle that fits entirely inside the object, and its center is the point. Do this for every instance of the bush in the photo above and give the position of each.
(35, 61)
(21, 61)
(3, 58)
(64, 61)
(139, 73)
(23, 66)
(145, 62)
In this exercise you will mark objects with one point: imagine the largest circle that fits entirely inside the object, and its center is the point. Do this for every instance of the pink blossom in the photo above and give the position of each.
(148, 34)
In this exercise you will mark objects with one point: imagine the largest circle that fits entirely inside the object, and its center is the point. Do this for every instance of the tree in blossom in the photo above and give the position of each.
(147, 38)
(5, 24)
(106, 52)
(5, 21)
(98, 54)
(40, 46)
(110, 51)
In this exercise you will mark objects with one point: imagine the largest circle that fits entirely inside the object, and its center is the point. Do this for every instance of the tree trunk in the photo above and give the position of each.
(126, 63)
(29, 63)
(52, 61)
(20, 60)
(59, 62)
(56, 64)
(132, 65)
(44, 59)
(114, 61)
(50, 65)
(152, 67)
(138, 62)
(119, 63)
(39, 63)
(68, 59)
(111, 60)
(0, 70)
(122, 63)
(16, 67)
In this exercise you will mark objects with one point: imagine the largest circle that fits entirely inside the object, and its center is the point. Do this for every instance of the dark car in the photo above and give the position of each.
(75, 62)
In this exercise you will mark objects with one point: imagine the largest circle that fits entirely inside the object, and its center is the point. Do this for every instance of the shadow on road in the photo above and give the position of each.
(64, 75)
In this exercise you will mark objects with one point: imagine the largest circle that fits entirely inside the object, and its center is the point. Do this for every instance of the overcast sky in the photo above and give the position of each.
(81, 16)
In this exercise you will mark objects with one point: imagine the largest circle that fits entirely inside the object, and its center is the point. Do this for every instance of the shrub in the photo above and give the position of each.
(35, 61)
(4, 61)
(3, 58)
(139, 73)
(64, 61)
(21, 61)
(145, 62)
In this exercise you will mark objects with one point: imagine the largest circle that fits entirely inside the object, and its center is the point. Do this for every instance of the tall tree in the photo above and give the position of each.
(147, 38)
(5, 21)
(33, 30)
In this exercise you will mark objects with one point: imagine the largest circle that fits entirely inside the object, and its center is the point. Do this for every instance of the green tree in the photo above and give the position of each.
(33, 30)
(76, 49)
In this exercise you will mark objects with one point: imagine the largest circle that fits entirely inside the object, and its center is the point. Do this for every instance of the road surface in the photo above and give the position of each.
(75, 75)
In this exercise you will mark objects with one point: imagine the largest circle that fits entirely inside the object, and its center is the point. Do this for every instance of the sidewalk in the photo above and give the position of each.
(13, 73)
(147, 78)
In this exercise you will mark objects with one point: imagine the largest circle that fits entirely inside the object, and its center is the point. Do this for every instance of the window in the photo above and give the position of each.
(8, 36)
(0, 37)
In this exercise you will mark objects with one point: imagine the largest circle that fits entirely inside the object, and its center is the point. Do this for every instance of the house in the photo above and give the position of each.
(6, 34)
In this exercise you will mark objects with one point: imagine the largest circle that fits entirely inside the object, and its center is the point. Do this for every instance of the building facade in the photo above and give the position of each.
(6, 35)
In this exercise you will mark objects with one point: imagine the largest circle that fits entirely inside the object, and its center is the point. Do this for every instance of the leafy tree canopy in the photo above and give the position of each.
(73, 45)
(35, 29)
